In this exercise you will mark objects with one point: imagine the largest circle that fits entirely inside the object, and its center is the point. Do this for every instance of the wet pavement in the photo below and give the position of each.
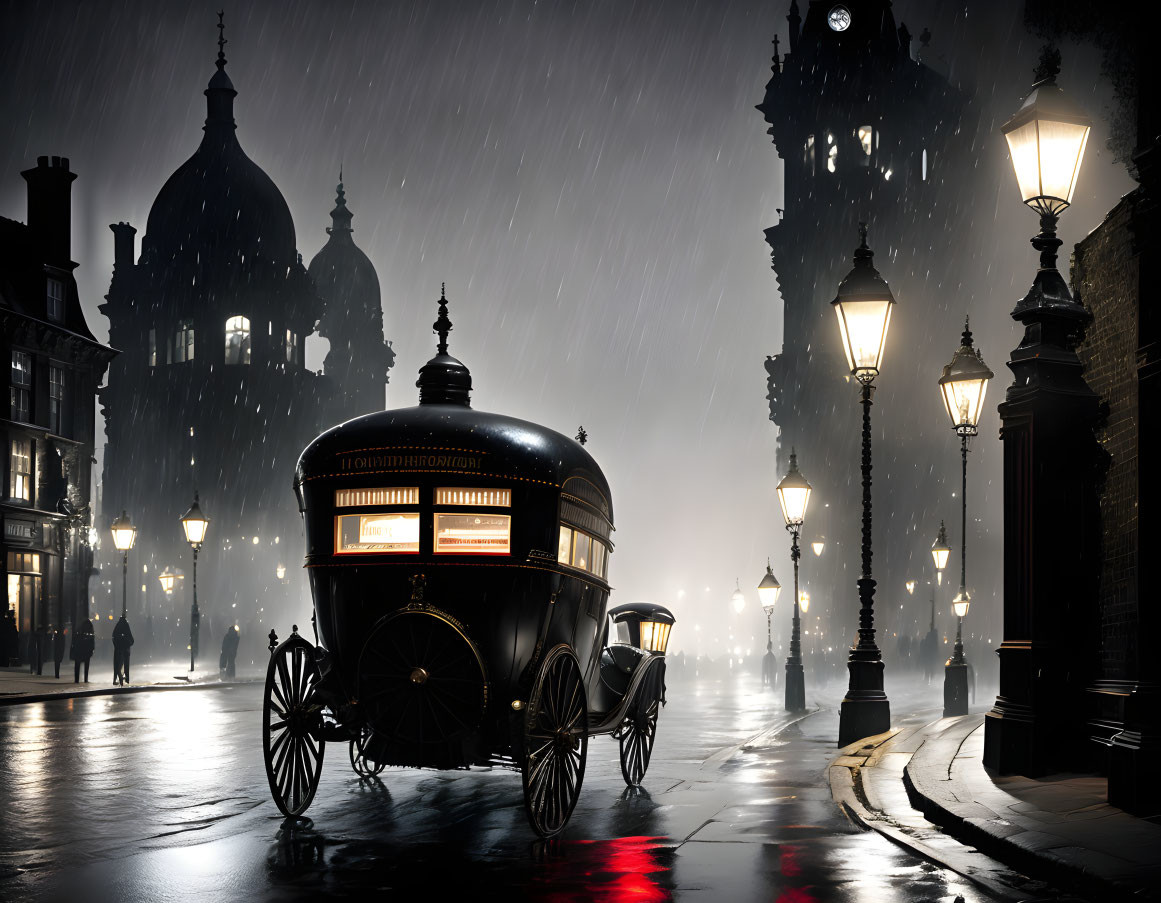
(162, 796)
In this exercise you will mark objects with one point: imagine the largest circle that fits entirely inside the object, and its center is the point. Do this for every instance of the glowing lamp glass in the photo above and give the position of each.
(167, 578)
(195, 524)
(960, 604)
(655, 636)
(1047, 139)
(793, 495)
(768, 591)
(910, 587)
(804, 602)
(124, 533)
(863, 324)
(280, 571)
(738, 600)
(817, 548)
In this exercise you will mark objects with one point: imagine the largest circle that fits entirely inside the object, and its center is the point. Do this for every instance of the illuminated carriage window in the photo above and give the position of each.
(564, 549)
(580, 550)
(473, 534)
(600, 559)
(581, 547)
(392, 495)
(376, 534)
(476, 498)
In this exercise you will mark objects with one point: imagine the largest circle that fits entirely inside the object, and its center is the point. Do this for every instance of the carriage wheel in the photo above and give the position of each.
(291, 719)
(364, 767)
(638, 731)
(556, 742)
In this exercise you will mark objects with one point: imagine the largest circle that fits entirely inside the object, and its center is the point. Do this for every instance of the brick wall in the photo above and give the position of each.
(1106, 278)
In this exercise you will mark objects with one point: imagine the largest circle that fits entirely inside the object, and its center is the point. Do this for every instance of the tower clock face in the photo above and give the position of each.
(839, 19)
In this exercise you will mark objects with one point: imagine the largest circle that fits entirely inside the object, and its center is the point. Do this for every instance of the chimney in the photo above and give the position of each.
(124, 247)
(50, 208)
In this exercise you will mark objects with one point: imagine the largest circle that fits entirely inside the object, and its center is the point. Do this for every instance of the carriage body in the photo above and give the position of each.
(458, 565)
(440, 511)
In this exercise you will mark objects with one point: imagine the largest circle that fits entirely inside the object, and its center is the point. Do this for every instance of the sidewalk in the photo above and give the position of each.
(1059, 830)
(18, 686)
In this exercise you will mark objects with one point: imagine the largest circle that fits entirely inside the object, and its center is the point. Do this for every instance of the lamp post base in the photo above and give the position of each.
(865, 711)
(795, 687)
(955, 690)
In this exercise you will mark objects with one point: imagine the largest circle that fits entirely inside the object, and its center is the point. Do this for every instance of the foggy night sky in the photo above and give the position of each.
(590, 179)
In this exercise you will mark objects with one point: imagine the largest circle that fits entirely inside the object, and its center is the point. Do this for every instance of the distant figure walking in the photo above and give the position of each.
(84, 643)
(9, 639)
(36, 650)
(122, 641)
(929, 651)
(58, 651)
(769, 667)
(229, 652)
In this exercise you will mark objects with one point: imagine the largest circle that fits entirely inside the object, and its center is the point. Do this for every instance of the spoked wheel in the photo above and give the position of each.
(364, 767)
(638, 731)
(291, 722)
(556, 742)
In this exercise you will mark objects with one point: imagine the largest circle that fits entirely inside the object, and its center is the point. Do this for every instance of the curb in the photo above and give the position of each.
(22, 698)
(1041, 864)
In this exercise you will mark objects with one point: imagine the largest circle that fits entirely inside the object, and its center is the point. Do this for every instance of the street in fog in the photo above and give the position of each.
(162, 795)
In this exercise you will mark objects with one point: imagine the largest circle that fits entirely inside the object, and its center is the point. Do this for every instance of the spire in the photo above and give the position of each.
(795, 21)
(443, 379)
(340, 217)
(966, 338)
(220, 93)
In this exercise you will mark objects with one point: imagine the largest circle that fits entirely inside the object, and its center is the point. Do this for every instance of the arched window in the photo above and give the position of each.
(238, 340)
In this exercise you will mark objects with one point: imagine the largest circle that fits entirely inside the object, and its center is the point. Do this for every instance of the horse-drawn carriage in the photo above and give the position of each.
(458, 565)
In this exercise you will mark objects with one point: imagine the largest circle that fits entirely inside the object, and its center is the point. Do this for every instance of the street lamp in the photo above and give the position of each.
(817, 546)
(793, 495)
(768, 591)
(280, 572)
(124, 535)
(939, 552)
(195, 524)
(910, 584)
(737, 598)
(963, 385)
(804, 601)
(167, 578)
(863, 306)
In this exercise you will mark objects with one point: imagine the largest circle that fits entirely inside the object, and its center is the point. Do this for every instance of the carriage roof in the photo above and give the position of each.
(444, 435)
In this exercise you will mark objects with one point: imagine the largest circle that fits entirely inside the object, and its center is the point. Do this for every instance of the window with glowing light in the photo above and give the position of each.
(831, 158)
(473, 534)
(377, 534)
(20, 392)
(182, 348)
(580, 550)
(238, 340)
(20, 470)
(866, 136)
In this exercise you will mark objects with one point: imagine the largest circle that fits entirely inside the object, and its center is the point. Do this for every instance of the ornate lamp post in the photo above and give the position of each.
(963, 385)
(768, 591)
(793, 495)
(940, 550)
(124, 535)
(195, 524)
(863, 305)
(1046, 427)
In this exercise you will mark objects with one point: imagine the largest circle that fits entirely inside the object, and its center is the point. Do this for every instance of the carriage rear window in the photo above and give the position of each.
(392, 495)
(473, 534)
(376, 533)
(582, 551)
(564, 550)
(477, 498)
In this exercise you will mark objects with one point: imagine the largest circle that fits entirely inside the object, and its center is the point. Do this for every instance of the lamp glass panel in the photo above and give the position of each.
(768, 596)
(654, 636)
(965, 401)
(793, 500)
(960, 604)
(124, 537)
(940, 556)
(804, 602)
(817, 548)
(195, 529)
(1022, 145)
(1061, 149)
(864, 325)
(738, 600)
(167, 582)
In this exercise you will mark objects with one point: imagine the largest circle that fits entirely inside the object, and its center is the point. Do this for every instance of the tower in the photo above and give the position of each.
(864, 132)
(359, 359)
(210, 392)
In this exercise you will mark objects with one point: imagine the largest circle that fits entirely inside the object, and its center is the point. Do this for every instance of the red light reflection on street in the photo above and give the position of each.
(613, 870)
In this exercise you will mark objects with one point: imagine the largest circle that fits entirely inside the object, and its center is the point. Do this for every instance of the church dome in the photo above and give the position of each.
(345, 276)
(219, 205)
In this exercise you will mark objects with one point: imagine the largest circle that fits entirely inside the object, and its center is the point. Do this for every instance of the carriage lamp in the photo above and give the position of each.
(124, 535)
(167, 578)
(737, 598)
(649, 624)
(1047, 138)
(863, 306)
(910, 584)
(817, 546)
(195, 524)
(939, 552)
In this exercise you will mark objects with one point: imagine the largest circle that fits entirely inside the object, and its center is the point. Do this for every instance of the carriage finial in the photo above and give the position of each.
(442, 325)
(581, 436)
(443, 379)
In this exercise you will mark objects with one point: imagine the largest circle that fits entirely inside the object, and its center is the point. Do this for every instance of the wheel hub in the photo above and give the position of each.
(419, 676)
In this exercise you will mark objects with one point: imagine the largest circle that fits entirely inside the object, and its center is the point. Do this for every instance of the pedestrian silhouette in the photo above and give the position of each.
(83, 645)
(229, 652)
(58, 651)
(769, 667)
(122, 640)
(36, 648)
(9, 639)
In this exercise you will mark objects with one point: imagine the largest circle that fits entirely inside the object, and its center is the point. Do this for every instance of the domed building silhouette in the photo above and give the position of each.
(211, 391)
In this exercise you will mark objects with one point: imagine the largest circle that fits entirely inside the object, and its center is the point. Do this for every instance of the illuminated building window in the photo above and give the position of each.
(182, 349)
(56, 395)
(866, 136)
(291, 347)
(238, 340)
(831, 156)
(808, 154)
(20, 469)
(20, 393)
(924, 164)
(376, 534)
(153, 348)
(476, 498)
(392, 495)
(55, 300)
